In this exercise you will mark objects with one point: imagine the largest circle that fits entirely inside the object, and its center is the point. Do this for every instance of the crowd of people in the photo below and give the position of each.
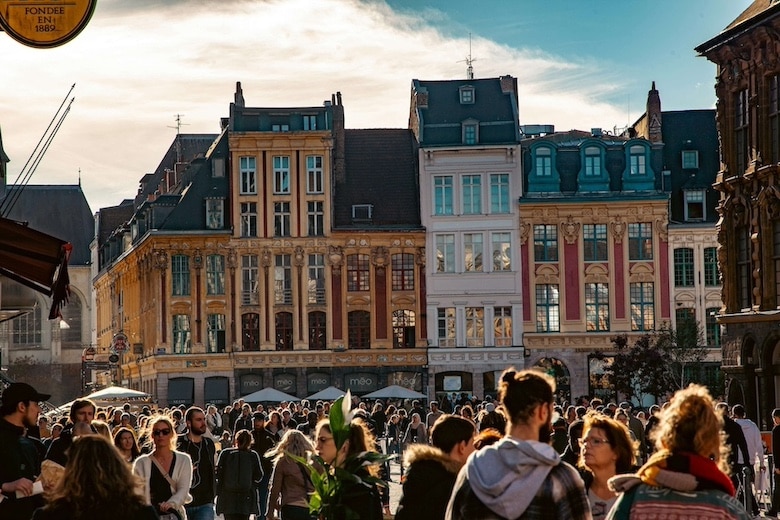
(518, 456)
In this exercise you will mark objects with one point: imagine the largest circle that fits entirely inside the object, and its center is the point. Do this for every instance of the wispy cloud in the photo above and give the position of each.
(139, 63)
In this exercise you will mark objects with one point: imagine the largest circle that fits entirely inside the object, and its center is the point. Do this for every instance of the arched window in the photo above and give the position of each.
(359, 329)
(403, 329)
(284, 331)
(250, 331)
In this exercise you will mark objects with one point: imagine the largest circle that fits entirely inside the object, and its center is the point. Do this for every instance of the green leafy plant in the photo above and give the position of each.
(333, 481)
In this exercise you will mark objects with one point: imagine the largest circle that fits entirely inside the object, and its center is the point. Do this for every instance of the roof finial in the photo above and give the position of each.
(469, 62)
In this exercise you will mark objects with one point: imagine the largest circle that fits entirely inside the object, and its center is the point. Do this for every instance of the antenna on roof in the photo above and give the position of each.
(79, 177)
(178, 126)
(469, 62)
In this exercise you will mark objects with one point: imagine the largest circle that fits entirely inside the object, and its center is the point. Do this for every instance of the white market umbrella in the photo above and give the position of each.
(327, 394)
(395, 392)
(269, 395)
(118, 393)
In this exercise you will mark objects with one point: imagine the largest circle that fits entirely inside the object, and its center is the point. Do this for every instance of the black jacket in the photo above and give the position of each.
(428, 485)
(238, 475)
(19, 458)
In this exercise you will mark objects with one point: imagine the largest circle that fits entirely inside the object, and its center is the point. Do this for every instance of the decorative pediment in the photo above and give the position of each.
(641, 272)
(596, 273)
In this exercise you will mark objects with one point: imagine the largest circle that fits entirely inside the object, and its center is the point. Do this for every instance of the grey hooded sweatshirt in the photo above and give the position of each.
(514, 477)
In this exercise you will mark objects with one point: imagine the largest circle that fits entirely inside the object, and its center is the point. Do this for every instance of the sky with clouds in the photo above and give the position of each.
(139, 63)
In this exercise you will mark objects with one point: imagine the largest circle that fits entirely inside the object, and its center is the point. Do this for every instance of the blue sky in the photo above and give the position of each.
(580, 64)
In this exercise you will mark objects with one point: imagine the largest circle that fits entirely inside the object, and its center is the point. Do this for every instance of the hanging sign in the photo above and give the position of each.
(45, 23)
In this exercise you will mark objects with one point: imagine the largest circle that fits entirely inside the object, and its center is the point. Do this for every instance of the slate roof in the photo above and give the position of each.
(441, 120)
(61, 211)
(112, 218)
(756, 12)
(381, 170)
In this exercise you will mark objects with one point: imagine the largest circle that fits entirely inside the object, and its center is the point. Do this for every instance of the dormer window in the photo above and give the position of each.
(543, 162)
(280, 128)
(592, 161)
(690, 159)
(362, 212)
(637, 159)
(470, 129)
(694, 205)
(467, 95)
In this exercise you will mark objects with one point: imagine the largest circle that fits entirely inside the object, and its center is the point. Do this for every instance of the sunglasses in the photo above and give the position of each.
(159, 433)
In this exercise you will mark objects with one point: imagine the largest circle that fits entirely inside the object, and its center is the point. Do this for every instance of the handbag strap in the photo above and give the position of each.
(164, 473)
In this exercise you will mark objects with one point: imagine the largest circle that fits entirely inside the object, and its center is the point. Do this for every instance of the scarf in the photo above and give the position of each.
(684, 472)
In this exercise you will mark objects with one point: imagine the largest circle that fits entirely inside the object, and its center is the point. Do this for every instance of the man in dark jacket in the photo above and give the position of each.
(433, 469)
(81, 411)
(20, 461)
(263, 440)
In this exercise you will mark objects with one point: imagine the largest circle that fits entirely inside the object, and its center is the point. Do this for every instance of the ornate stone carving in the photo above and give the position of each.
(618, 229)
(197, 259)
(232, 259)
(380, 257)
(420, 257)
(266, 258)
(570, 230)
(525, 231)
(160, 259)
(661, 226)
(335, 258)
(299, 257)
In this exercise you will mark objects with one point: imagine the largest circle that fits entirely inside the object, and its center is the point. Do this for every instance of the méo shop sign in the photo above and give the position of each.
(45, 23)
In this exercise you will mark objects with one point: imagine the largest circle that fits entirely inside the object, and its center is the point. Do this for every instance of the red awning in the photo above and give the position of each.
(37, 260)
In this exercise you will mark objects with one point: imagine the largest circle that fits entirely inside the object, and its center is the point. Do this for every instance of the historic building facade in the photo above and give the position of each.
(748, 116)
(470, 180)
(594, 250)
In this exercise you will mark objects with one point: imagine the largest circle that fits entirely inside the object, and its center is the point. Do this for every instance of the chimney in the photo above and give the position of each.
(422, 97)
(339, 161)
(239, 96)
(508, 84)
(654, 134)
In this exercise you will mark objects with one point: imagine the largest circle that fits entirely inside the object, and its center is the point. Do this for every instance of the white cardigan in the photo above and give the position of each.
(182, 476)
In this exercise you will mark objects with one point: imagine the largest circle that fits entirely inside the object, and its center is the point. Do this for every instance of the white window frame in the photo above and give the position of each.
(314, 177)
(248, 175)
(689, 159)
(281, 174)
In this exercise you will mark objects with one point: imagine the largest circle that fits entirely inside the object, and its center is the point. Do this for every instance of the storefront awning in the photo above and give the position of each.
(37, 260)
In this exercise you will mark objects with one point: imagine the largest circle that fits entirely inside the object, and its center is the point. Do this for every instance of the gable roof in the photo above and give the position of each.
(58, 210)
(757, 12)
(381, 170)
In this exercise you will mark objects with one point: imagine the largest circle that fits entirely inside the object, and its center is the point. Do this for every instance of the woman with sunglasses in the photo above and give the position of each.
(166, 473)
(606, 449)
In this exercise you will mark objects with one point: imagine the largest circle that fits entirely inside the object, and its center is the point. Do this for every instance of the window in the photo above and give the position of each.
(545, 243)
(180, 275)
(403, 329)
(248, 173)
(442, 195)
(690, 159)
(741, 124)
(215, 213)
(359, 329)
(280, 128)
(499, 193)
(683, 316)
(248, 219)
(281, 219)
(744, 285)
(71, 314)
(547, 308)
(472, 252)
(594, 242)
(683, 267)
(445, 325)
(776, 256)
(309, 122)
(502, 326)
(362, 212)
(642, 306)
(640, 241)
(283, 279)
(592, 161)
(182, 336)
(249, 280)
(284, 331)
(712, 328)
(27, 328)
(316, 279)
(281, 175)
(637, 160)
(218, 167)
(470, 133)
(445, 253)
(215, 275)
(466, 95)
(403, 272)
(774, 117)
(250, 331)
(694, 205)
(475, 326)
(314, 178)
(472, 194)
(215, 335)
(543, 162)
(597, 307)
(358, 273)
(711, 271)
(317, 330)
(316, 218)
(502, 243)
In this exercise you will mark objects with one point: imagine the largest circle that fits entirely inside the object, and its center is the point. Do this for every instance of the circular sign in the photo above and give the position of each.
(113, 358)
(45, 24)
(119, 342)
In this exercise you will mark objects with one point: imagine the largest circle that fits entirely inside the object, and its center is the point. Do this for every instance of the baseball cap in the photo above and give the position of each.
(259, 416)
(18, 392)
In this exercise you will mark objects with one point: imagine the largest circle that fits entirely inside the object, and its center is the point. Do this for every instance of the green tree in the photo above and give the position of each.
(640, 369)
(684, 347)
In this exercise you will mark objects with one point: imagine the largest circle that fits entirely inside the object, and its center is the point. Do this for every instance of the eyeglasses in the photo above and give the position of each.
(593, 442)
(161, 433)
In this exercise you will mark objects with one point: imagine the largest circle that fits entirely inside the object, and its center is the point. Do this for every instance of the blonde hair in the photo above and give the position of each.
(692, 424)
(169, 423)
(293, 442)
